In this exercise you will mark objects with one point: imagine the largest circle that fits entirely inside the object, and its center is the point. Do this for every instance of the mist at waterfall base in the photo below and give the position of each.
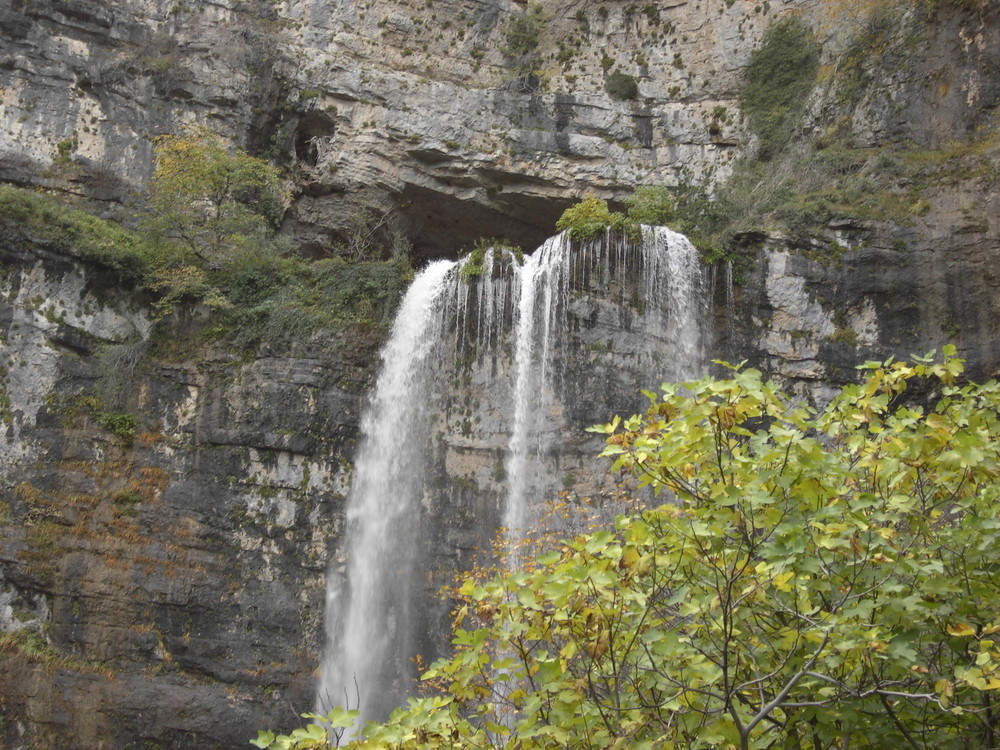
(477, 418)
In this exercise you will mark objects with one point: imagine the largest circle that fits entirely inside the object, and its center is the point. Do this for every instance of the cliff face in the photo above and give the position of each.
(161, 580)
(175, 564)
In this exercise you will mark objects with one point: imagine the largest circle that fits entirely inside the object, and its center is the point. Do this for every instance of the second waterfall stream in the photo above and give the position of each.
(489, 377)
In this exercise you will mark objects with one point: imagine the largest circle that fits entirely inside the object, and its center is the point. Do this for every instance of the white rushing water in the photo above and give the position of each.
(369, 610)
(520, 319)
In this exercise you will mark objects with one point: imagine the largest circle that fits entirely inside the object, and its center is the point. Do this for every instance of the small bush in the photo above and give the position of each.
(650, 204)
(622, 86)
(120, 425)
(521, 48)
(589, 218)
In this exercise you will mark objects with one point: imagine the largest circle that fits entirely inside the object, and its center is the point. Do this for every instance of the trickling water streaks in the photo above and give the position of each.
(673, 307)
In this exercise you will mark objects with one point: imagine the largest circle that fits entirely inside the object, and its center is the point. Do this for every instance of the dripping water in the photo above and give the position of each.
(672, 306)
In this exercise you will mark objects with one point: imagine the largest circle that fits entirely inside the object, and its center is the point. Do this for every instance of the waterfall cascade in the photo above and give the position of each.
(486, 386)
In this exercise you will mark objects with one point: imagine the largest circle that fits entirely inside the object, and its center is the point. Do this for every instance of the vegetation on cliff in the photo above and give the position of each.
(591, 216)
(817, 579)
(207, 234)
(839, 142)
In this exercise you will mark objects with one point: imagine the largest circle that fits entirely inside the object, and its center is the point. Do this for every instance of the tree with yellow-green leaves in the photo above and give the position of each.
(212, 199)
(814, 579)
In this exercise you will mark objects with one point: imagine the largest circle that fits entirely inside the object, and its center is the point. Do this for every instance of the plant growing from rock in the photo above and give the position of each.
(490, 256)
(778, 79)
(521, 48)
(211, 199)
(589, 218)
(621, 86)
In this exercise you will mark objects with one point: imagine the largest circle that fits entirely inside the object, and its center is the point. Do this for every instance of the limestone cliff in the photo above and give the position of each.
(169, 505)
(161, 579)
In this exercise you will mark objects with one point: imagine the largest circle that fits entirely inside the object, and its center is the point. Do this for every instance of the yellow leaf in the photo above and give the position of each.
(781, 581)
(945, 690)
(961, 630)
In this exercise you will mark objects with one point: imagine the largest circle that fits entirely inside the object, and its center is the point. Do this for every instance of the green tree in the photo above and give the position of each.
(212, 199)
(589, 218)
(815, 580)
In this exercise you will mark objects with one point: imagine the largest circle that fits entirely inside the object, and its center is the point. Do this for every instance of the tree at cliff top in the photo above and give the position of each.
(817, 580)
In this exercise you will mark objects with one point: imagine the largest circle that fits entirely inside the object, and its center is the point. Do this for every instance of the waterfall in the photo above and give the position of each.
(369, 611)
(672, 305)
(513, 363)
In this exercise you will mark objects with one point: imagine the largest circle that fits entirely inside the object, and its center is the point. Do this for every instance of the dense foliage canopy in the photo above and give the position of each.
(814, 579)
(213, 199)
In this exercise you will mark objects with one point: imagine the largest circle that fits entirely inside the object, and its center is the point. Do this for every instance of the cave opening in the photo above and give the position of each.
(313, 130)
(440, 225)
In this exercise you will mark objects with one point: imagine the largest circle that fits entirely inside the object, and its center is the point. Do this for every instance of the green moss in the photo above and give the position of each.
(33, 646)
(79, 233)
(502, 254)
(883, 44)
(6, 413)
(845, 335)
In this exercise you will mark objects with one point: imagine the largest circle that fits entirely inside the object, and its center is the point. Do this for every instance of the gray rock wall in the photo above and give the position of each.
(166, 586)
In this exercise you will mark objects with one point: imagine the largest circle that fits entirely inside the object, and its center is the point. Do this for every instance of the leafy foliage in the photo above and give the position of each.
(622, 86)
(209, 238)
(651, 204)
(521, 48)
(489, 256)
(209, 198)
(588, 218)
(818, 580)
(121, 425)
(325, 731)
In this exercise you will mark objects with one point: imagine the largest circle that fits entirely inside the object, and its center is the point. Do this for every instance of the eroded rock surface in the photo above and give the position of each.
(167, 587)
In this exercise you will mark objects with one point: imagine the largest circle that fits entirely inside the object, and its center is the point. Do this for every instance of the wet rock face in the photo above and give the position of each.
(161, 580)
